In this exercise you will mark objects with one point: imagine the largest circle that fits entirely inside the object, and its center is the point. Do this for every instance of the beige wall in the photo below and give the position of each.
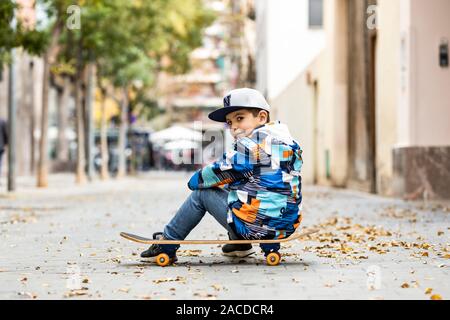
(412, 91)
(337, 105)
(424, 92)
(432, 23)
(387, 87)
(297, 107)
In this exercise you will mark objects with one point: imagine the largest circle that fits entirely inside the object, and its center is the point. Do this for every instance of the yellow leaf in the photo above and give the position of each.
(428, 290)
(436, 297)
(405, 285)
(217, 287)
(178, 278)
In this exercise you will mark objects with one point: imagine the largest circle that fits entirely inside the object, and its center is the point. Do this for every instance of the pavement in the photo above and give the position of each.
(63, 243)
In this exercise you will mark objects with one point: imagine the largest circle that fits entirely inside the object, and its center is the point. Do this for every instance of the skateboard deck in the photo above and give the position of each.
(140, 239)
(273, 258)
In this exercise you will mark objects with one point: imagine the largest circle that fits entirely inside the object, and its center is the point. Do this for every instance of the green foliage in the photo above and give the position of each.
(13, 36)
(126, 39)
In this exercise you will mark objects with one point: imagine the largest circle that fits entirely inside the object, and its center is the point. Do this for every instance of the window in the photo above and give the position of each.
(315, 13)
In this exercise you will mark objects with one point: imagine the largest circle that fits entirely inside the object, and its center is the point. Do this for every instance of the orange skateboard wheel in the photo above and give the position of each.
(163, 260)
(273, 259)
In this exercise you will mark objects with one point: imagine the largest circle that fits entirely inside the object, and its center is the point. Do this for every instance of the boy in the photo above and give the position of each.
(254, 191)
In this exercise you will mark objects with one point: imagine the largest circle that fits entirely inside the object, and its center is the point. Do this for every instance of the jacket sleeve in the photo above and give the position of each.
(235, 165)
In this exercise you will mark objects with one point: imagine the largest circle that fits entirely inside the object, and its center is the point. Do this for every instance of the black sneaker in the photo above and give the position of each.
(237, 250)
(151, 253)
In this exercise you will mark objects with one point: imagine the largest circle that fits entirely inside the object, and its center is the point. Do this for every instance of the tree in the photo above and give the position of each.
(15, 33)
(56, 13)
(129, 40)
(126, 40)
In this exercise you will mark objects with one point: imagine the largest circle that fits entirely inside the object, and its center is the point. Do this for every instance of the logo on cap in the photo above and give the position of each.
(226, 101)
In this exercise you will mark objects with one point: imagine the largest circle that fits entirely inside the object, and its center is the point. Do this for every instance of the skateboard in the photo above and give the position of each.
(270, 247)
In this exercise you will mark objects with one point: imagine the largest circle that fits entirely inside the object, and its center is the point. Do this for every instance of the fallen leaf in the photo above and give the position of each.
(428, 290)
(178, 278)
(405, 285)
(189, 253)
(205, 295)
(436, 297)
(217, 287)
(28, 294)
(74, 293)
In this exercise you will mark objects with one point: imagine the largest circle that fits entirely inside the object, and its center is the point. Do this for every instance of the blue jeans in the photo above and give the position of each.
(213, 200)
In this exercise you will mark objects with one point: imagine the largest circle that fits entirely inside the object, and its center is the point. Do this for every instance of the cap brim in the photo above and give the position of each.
(220, 114)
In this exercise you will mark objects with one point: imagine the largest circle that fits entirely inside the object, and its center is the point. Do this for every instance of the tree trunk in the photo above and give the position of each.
(32, 119)
(80, 174)
(81, 155)
(42, 174)
(104, 174)
(49, 58)
(90, 130)
(123, 134)
(63, 104)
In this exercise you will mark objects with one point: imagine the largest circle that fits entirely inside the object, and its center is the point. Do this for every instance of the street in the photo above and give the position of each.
(63, 243)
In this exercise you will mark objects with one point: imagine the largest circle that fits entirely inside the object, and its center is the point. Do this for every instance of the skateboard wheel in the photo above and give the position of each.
(163, 260)
(273, 259)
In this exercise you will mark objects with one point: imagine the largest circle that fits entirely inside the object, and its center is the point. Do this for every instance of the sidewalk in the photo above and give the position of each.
(63, 243)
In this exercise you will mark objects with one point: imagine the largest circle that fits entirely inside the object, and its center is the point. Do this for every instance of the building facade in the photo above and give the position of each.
(370, 105)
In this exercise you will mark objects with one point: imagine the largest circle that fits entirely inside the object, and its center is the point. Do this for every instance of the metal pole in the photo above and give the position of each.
(11, 126)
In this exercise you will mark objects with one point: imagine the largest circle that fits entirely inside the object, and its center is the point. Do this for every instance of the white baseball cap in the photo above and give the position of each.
(238, 99)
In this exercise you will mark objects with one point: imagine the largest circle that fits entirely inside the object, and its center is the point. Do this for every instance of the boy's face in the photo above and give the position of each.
(243, 122)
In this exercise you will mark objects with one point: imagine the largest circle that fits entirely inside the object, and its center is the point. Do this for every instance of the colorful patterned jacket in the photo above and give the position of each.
(263, 176)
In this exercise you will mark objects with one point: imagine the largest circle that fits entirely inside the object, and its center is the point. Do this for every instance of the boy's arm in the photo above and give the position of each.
(234, 166)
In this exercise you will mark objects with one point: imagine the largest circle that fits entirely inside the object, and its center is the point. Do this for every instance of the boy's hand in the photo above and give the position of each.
(240, 133)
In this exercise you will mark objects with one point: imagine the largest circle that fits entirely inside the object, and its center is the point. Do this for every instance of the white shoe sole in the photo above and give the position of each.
(239, 254)
(151, 259)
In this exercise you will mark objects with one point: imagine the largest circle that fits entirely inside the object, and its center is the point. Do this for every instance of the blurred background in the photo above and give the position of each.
(109, 88)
